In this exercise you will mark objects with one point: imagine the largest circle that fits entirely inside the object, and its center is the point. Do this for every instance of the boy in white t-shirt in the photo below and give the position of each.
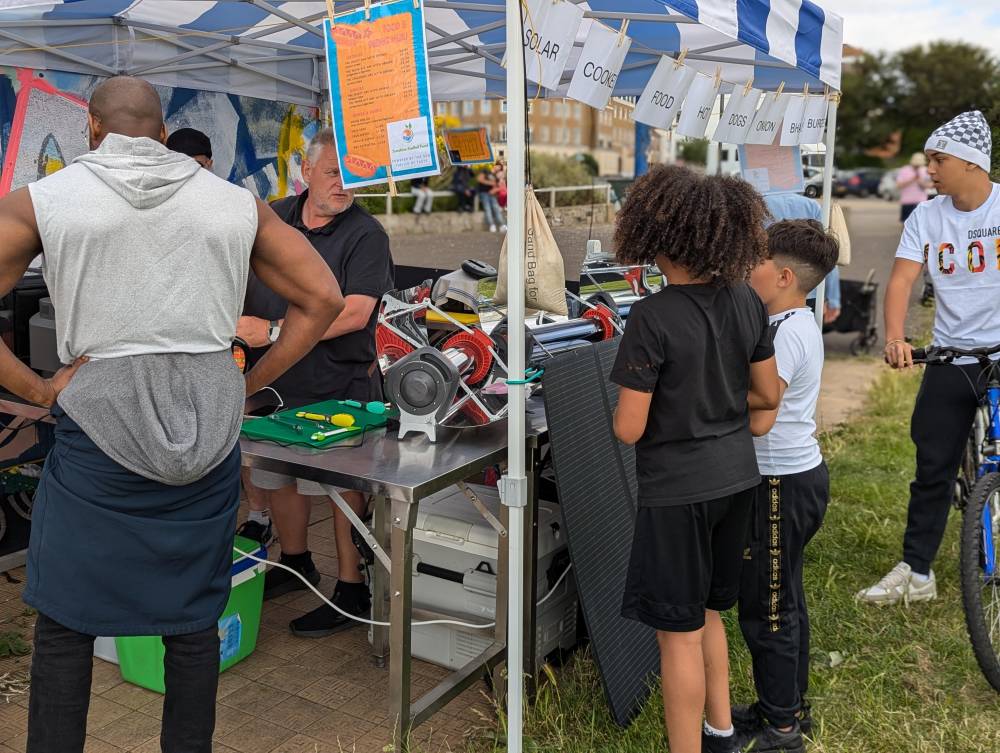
(791, 500)
(956, 236)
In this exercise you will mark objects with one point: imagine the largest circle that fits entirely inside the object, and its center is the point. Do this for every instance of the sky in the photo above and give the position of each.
(896, 24)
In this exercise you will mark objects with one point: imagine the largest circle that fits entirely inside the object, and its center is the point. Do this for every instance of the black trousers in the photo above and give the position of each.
(61, 670)
(787, 512)
(942, 420)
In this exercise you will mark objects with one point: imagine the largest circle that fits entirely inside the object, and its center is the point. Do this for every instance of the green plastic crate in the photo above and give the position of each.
(141, 657)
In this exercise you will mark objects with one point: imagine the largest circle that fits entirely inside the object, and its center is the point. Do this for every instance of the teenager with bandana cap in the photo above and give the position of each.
(954, 235)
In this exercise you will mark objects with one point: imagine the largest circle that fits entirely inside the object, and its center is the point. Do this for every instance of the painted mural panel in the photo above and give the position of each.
(256, 143)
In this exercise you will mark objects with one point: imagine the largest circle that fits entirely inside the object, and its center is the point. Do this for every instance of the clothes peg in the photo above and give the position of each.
(781, 89)
(331, 12)
(748, 87)
(392, 183)
(718, 76)
(622, 31)
(368, 10)
(681, 58)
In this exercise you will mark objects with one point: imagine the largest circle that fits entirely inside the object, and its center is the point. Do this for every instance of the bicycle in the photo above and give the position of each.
(978, 497)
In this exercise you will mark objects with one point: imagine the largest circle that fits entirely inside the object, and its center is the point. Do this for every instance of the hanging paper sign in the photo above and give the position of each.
(772, 169)
(791, 126)
(663, 94)
(549, 33)
(764, 128)
(814, 120)
(380, 94)
(468, 146)
(698, 107)
(737, 116)
(597, 72)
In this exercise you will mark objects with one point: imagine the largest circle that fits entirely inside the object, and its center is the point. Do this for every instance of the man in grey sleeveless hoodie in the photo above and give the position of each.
(146, 258)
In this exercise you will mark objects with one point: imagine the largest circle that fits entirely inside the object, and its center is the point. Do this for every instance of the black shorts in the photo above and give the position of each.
(686, 559)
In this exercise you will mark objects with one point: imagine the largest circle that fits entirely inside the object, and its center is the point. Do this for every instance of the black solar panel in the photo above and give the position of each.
(595, 476)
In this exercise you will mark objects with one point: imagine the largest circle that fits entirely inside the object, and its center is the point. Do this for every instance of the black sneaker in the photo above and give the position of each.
(769, 739)
(354, 599)
(262, 534)
(279, 582)
(735, 743)
(747, 716)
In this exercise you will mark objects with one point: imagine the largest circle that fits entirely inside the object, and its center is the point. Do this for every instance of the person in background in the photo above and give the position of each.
(795, 206)
(500, 172)
(194, 144)
(257, 527)
(342, 366)
(421, 189)
(967, 315)
(486, 186)
(793, 494)
(695, 358)
(913, 182)
(461, 179)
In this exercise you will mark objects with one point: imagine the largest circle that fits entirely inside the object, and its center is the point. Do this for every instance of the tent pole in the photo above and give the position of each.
(828, 160)
(514, 486)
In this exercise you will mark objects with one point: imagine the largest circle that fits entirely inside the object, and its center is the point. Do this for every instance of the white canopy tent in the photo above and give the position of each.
(273, 49)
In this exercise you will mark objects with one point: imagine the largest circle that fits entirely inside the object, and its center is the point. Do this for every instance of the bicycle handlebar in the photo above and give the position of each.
(935, 354)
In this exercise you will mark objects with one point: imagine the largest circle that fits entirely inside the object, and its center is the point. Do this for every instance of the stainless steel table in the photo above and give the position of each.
(400, 473)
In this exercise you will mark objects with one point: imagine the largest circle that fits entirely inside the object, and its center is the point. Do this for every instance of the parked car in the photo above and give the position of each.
(863, 182)
(887, 188)
(813, 182)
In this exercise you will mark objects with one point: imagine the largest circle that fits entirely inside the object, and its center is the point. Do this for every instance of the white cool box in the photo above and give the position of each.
(453, 541)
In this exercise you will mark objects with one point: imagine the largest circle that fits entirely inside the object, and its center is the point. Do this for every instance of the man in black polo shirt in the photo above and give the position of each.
(341, 366)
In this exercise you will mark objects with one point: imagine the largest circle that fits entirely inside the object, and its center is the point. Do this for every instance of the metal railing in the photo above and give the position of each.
(598, 189)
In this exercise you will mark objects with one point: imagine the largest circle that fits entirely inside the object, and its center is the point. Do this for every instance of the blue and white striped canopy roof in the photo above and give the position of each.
(272, 49)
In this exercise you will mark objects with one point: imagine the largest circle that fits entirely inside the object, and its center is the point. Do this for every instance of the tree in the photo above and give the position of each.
(939, 81)
(866, 118)
(694, 151)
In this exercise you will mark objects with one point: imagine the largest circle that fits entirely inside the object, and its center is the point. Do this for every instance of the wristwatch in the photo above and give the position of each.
(273, 330)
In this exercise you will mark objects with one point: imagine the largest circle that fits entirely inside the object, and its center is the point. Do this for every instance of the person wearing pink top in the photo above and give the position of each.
(913, 183)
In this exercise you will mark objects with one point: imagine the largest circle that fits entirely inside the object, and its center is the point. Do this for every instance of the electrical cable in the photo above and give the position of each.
(376, 623)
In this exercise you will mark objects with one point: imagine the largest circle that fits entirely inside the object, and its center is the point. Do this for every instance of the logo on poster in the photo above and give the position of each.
(408, 132)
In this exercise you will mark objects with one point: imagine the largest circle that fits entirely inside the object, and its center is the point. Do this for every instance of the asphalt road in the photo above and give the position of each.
(873, 223)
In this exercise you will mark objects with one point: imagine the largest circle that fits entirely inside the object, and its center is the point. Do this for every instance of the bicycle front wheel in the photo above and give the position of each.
(980, 572)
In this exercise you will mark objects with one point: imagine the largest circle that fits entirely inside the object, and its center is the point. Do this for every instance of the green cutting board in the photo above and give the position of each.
(280, 431)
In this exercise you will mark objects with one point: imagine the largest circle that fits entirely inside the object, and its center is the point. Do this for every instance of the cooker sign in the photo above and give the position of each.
(736, 119)
(663, 94)
(698, 107)
(549, 32)
(764, 127)
(600, 62)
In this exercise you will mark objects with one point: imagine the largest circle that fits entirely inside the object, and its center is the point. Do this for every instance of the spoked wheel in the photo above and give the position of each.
(966, 474)
(980, 572)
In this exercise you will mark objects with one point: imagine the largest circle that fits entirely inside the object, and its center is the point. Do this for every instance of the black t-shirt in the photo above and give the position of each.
(691, 346)
(357, 249)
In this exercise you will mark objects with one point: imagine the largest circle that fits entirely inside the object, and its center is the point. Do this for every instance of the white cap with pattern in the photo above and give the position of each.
(967, 137)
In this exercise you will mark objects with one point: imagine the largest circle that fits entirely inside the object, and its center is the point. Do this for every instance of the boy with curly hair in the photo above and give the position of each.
(694, 360)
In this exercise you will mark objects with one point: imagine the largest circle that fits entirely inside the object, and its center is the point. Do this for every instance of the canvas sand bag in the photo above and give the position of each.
(544, 273)
(838, 226)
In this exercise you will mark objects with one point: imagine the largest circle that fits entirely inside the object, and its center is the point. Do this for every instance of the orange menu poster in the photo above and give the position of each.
(468, 146)
(378, 82)
(379, 94)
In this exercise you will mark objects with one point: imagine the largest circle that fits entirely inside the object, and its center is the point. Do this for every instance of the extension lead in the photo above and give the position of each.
(363, 621)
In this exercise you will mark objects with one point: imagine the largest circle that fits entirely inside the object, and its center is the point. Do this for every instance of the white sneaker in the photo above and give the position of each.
(899, 585)
(503, 228)
(493, 228)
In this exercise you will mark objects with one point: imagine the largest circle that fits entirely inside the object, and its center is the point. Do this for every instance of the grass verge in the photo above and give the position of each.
(883, 680)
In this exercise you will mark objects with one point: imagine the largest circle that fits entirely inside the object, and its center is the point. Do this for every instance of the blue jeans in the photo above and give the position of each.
(61, 669)
(492, 210)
